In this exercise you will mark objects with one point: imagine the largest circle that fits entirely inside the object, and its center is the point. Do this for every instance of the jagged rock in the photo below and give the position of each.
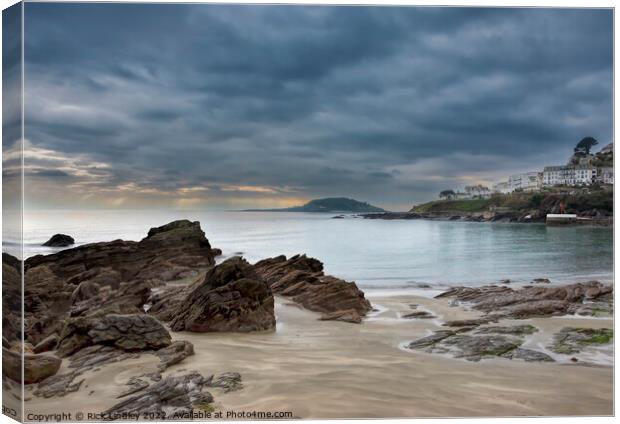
(36, 367)
(231, 298)
(228, 381)
(172, 397)
(349, 315)
(47, 344)
(59, 240)
(108, 277)
(572, 340)
(84, 291)
(302, 279)
(58, 385)
(164, 303)
(174, 353)
(126, 332)
(532, 301)
(541, 281)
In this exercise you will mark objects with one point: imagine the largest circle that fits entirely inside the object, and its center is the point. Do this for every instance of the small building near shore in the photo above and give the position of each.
(561, 218)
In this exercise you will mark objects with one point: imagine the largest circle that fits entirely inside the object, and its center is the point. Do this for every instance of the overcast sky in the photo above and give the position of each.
(265, 106)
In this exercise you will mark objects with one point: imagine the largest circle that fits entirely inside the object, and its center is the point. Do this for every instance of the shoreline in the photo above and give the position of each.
(134, 324)
(482, 217)
(329, 369)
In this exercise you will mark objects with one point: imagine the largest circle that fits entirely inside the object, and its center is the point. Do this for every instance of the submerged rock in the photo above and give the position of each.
(59, 240)
(528, 355)
(232, 297)
(228, 381)
(572, 340)
(515, 330)
(474, 344)
(419, 315)
(302, 279)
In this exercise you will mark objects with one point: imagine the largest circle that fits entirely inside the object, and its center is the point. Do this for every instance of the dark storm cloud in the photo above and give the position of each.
(386, 104)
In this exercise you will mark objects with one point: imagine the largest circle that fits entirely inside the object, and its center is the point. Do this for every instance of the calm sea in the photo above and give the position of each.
(377, 254)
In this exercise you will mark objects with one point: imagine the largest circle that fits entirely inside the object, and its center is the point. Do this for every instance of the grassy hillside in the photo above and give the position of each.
(336, 204)
(577, 200)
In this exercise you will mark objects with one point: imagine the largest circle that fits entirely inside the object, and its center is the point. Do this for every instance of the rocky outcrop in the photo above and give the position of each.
(95, 357)
(124, 332)
(485, 342)
(536, 301)
(232, 297)
(302, 279)
(168, 252)
(110, 277)
(59, 240)
(174, 397)
(11, 298)
(36, 367)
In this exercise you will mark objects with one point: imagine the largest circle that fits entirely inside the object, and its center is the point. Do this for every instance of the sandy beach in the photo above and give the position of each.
(327, 369)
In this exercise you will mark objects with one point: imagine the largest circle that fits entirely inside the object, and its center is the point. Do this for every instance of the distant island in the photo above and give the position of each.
(330, 204)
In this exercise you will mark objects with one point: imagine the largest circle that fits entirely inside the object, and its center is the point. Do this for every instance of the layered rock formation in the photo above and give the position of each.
(126, 332)
(587, 298)
(303, 280)
(231, 297)
(109, 277)
(172, 398)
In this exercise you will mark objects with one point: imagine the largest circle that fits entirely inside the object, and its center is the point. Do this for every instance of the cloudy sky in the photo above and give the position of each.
(205, 106)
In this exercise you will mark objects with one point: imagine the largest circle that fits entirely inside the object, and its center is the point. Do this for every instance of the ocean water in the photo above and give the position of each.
(377, 254)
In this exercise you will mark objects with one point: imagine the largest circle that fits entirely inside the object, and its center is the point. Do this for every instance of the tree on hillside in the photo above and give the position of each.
(447, 194)
(584, 146)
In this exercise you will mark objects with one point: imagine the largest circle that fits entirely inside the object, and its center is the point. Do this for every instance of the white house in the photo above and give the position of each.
(569, 175)
(606, 175)
(527, 181)
(478, 191)
(502, 187)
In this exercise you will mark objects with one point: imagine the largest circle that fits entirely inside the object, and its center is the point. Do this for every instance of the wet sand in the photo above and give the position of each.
(325, 369)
